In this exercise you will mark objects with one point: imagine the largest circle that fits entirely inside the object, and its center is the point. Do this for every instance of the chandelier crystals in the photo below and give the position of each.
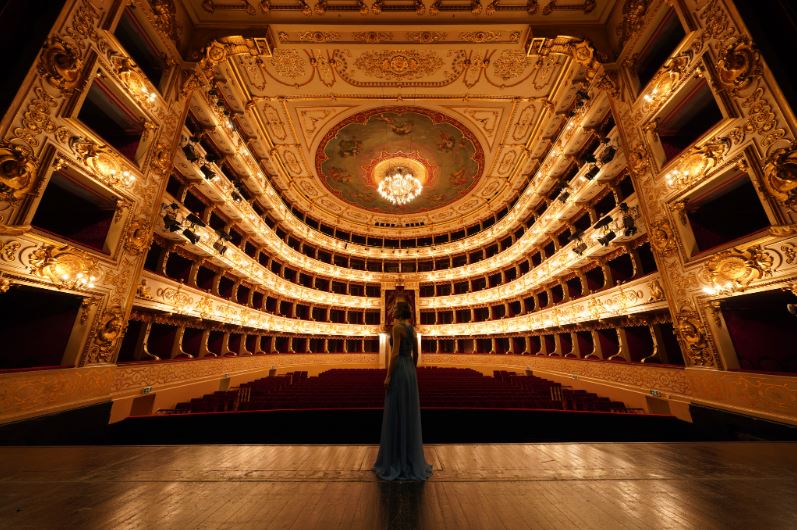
(399, 186)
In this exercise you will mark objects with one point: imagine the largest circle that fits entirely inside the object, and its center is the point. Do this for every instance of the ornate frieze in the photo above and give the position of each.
(637, 296)
(736, 269)
(169, 296)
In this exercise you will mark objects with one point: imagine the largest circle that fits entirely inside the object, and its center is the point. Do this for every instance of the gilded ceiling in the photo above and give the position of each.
(355, 154)
(314, 90)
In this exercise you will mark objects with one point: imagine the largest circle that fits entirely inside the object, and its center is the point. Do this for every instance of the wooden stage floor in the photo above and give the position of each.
(585, 486)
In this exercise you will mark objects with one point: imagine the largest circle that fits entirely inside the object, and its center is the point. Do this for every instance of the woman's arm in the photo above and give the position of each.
(397, 331)
(414, 347)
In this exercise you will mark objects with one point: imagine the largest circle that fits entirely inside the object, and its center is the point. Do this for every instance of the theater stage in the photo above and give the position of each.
(588, 485)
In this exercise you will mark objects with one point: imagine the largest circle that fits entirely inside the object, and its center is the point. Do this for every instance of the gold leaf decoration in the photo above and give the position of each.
(781, 175)
(17, 171)
(60, 64)
(736, 269)
(399, 64)
(739, 64)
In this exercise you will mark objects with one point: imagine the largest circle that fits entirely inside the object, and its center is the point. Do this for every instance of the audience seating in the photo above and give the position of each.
(349, 388)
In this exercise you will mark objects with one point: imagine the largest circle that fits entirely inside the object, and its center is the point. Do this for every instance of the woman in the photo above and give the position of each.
(401, 447)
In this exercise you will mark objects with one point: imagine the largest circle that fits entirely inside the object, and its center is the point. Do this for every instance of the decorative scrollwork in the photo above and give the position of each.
(102, 162)
(110, 329)
(693, 337)
(661, 237)
(17, 171)
(633, 15)
(5, 283)
(65, 267)
(735, 269)
(399, 64)
(780, 173)
(60, 64)
(739, 64)
(138, 237)
(165, 17)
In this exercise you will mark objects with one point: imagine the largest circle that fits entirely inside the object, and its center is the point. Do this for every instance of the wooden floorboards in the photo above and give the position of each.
(583, 486)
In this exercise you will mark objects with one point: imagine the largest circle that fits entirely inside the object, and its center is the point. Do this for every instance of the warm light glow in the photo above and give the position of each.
(399, 186)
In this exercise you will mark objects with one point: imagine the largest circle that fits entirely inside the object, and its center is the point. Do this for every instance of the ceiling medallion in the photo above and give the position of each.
(399, 186)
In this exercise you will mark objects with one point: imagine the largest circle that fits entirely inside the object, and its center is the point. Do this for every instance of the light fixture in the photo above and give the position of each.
(220, 247)
(191, 236)
(608, 154)
(170, 220)
(593, 171)
(629, 225)
(603, 222)
(194, 220)
(399, 186)
(208, 172)
(190, 153)
(606, 238)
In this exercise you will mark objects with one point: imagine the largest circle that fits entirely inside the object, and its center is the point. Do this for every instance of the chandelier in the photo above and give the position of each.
(399, 186)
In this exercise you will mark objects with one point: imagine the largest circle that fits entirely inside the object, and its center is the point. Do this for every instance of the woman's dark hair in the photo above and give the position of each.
(402, 311)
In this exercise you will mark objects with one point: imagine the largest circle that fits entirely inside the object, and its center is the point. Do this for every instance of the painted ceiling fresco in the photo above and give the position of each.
(443, 154)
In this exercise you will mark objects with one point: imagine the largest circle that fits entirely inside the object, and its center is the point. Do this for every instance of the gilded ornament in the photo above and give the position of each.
(481, 36)
(66, 267)
(165, 17)
(661, 237)
(138, 237)
(318, 36)
(735, 269)
(162, 160)
(739, 64)
(9, 249)
(60, 64)
(693, 337)
(633, 16)
(372, 37)
(426, 37)
(5, 283)
(110, 329)
(288, 63)
(510, 64)
(104, 164)
(656, 291)
(17, 171)
(399, 64)
(790, 253)
(780, 175)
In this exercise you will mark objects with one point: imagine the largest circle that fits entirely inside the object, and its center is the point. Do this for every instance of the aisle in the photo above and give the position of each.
(600, 486)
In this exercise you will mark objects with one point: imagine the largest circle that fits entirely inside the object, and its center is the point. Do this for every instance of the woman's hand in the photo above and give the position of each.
(387, 382)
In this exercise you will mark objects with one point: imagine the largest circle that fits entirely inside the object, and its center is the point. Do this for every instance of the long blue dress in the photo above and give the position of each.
(401, 446)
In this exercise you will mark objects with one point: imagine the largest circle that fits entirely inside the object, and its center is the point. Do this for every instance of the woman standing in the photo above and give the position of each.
(401, 446)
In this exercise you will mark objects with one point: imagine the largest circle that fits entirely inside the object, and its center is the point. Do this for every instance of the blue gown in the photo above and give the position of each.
(401, 446)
